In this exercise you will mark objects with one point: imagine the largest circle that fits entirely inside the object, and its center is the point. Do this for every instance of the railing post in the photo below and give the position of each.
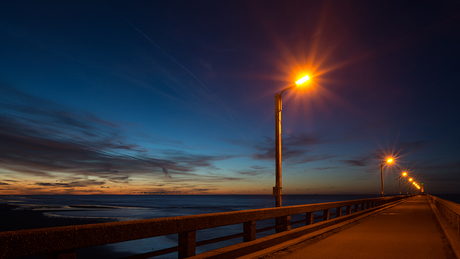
(283, 224)
(187, 244)
(309, 217)
(338, 212)
(62, 255)
(326, 214)
(363, 206)
(249, 231)
(348, 209)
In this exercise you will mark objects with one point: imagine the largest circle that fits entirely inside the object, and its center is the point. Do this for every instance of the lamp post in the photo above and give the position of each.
(278, 108)
(403, 174)
(407, 187)
(389, 161)
(410, 180)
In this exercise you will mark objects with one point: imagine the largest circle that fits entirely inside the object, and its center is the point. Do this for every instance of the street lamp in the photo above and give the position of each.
(278, 108)
(410, 180)
(403, 174)
(389, 161)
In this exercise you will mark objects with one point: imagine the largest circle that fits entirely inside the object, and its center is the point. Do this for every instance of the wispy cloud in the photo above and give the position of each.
(296, 148)
(325, 168)
(84, 183)
(40, 138)
(357, 162)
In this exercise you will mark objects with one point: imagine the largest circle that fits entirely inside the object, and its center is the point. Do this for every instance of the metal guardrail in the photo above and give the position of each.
(450, 210)
(62, 242)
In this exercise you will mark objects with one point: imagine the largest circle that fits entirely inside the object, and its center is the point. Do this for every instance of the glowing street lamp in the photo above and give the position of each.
(407, 185)
(389, 161)
(403, 174)
(278, 108)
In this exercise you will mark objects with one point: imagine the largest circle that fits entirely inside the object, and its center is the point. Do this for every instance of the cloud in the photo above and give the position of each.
(160, 193)
(356, 162)
(251, 172)
(4, 183)
(116, 179)
(41, 138)
(312, 158)
(295, 148)
(84, 183)
(203, 190)
(165, 171)
(256, 167)
(325, 168)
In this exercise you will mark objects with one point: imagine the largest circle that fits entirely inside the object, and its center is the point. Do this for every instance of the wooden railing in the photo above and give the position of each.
(450, 210)
(62, 242)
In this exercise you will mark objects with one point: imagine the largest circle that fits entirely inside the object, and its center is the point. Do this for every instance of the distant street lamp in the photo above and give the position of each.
(389, 161)
(403, 174)
(278, 108)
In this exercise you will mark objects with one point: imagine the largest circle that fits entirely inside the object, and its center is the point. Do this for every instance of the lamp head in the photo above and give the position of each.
(390, 160)
(404, 174)
(410, 179)
(302, 80)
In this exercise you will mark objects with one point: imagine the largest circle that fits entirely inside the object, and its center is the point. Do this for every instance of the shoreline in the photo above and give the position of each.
(12, 220)
(29, 219)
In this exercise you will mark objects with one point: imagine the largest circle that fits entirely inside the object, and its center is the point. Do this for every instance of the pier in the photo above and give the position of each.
(410, 229)
(402, 226)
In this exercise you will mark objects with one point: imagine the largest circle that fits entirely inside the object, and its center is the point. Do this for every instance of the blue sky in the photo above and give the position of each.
(177, 97)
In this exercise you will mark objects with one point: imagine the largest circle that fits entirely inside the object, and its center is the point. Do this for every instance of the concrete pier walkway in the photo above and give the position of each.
(408, 230)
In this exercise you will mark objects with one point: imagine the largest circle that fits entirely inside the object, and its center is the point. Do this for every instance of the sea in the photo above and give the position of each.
(132, 207)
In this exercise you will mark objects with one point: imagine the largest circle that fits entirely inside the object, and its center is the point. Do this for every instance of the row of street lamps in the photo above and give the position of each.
(403, 174)
(278, 107)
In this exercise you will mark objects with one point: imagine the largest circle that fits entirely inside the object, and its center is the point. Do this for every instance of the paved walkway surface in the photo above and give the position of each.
(408, 230)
